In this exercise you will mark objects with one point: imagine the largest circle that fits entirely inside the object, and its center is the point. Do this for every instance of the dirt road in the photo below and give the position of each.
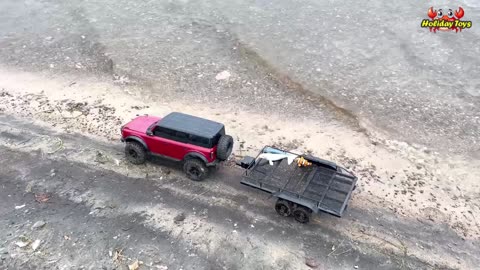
(102, 213)
(382, 105)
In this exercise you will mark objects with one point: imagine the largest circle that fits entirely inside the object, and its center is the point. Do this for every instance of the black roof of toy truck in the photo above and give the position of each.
(191, 124)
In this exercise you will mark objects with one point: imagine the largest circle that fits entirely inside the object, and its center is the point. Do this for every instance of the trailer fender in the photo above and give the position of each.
(311, 206)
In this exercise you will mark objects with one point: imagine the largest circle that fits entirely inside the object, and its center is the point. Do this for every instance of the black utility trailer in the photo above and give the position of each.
(301, 190)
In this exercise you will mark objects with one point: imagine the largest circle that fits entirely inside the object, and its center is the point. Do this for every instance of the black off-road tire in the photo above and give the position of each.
(136, 153)
(195, 169)
(302, 214)
(224, 147)
(284, 208)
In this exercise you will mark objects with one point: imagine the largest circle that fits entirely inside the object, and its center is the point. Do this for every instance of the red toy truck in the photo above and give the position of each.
(198, 143)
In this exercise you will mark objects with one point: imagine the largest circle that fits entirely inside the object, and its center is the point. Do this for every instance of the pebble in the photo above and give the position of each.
(100, 205)
(21, 244)
(36, 244)
(311, 263)
(179, 218)
(39, 224)
(223, 75)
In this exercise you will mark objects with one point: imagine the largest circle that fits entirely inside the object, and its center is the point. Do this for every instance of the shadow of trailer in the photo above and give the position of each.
(321, 185)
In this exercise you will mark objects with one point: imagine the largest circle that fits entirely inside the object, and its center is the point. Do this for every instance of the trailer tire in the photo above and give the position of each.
(224, 147)
(283, 208)
(302, 214)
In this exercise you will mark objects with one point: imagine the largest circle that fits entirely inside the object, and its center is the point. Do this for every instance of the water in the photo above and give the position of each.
(370, 57)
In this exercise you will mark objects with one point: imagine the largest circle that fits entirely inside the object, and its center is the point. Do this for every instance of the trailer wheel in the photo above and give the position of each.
(302, 214)
(283, 208)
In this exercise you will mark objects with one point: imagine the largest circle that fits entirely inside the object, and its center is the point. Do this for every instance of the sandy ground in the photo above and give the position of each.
(72, 73)
(100, 212)
(397, 181)
(410, 180)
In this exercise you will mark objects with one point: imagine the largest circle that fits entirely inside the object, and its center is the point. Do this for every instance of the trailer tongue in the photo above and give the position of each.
(308, 185)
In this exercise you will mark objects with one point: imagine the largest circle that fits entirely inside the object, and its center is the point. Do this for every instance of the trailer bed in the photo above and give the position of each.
(320, 187)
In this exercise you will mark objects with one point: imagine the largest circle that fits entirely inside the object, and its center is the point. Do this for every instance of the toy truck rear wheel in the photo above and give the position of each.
(195, 169)
(302, 214)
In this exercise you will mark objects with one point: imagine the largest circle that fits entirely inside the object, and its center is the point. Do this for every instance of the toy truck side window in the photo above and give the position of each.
(164, 133)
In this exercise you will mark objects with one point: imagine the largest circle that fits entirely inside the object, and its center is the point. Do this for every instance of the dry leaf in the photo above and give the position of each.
(134, 266)
(42, 198)
(118, 255)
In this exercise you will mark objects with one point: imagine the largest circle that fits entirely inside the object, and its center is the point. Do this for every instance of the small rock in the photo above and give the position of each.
(356, 267)
(36, 244)
(223, 75)
(19, 206)
(39, 224)
(49, 38)
(28, 188)
(101, 158)
(179, 218)
(100, 205)
(21, 244)
(311, 263)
